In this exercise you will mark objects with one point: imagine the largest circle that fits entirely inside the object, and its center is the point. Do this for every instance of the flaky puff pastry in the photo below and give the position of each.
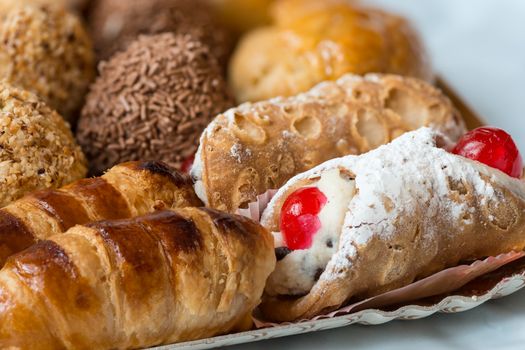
(256, 147)
(417, 209)
(126, 190)
(312, 41)
(162, 278)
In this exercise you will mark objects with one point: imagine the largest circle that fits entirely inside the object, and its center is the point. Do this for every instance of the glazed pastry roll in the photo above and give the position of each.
(166, 277)
(126, 190)
(358, 226)
(256, 147)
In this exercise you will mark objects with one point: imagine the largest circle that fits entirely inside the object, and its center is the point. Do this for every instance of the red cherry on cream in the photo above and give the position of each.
(493, 147)
(299, 220)
(187, 164)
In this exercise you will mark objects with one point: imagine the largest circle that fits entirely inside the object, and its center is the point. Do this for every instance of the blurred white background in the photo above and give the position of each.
(479, 47)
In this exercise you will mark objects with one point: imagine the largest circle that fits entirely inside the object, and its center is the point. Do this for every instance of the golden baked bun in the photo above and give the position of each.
(242, 15)
(313, 41)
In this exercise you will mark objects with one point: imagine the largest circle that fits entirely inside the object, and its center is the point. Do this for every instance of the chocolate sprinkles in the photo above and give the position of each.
(152, 101)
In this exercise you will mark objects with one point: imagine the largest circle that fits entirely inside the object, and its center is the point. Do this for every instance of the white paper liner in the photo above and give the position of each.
(505, 281)
(255, 209)
(445, 281)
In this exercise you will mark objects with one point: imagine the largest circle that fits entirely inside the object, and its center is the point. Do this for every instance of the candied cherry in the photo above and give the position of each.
(299, 221)
(493, 147)
(187, 164)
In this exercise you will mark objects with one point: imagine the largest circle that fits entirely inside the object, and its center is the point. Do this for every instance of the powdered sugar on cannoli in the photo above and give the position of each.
(392, 182)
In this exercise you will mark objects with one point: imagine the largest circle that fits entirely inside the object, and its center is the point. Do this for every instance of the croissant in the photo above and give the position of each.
(392, 216)
(127, 190)
(165, 277)
(256, 147)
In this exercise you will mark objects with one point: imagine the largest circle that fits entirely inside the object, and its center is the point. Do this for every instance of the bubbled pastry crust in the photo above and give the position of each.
(37, 148)
(256, 147)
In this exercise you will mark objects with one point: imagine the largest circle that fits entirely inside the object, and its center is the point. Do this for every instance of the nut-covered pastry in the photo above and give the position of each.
(76, 5)
(116, 23)
(313, 41)
(256, 147)
(359, 226)
(46, 50)
(152, 101)
(37, 149)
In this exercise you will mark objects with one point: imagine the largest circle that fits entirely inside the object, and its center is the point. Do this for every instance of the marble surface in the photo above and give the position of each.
(479, 46)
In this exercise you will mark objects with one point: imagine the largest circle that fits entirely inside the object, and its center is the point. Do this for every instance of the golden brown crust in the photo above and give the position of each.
(129, 189)
(15, 236)
(60, 206)
(312, 41)
(132, 283)
(166, 188)
(256, 147)
(99, 198)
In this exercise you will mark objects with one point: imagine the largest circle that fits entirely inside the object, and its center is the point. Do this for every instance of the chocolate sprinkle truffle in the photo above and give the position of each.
(116, 23)
(152, 101)
(48, 52)
(37, 148)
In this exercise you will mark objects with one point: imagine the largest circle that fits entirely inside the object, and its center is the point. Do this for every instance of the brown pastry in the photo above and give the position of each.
(152, 101)
(162, 278)
(37, 149)
(391, 216)
(312, 41)
(127, 190)
(47, 51)
(76, 5)
(256, 147)
(115, 24)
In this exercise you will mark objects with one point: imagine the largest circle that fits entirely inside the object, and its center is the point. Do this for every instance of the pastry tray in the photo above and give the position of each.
(504, 281)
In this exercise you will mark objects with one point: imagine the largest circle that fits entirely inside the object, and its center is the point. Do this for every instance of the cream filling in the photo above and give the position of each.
(196, 174)
(298, 271)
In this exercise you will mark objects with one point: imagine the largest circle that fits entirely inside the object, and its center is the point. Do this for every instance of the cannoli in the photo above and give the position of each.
(255, 147)
(358, 226)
